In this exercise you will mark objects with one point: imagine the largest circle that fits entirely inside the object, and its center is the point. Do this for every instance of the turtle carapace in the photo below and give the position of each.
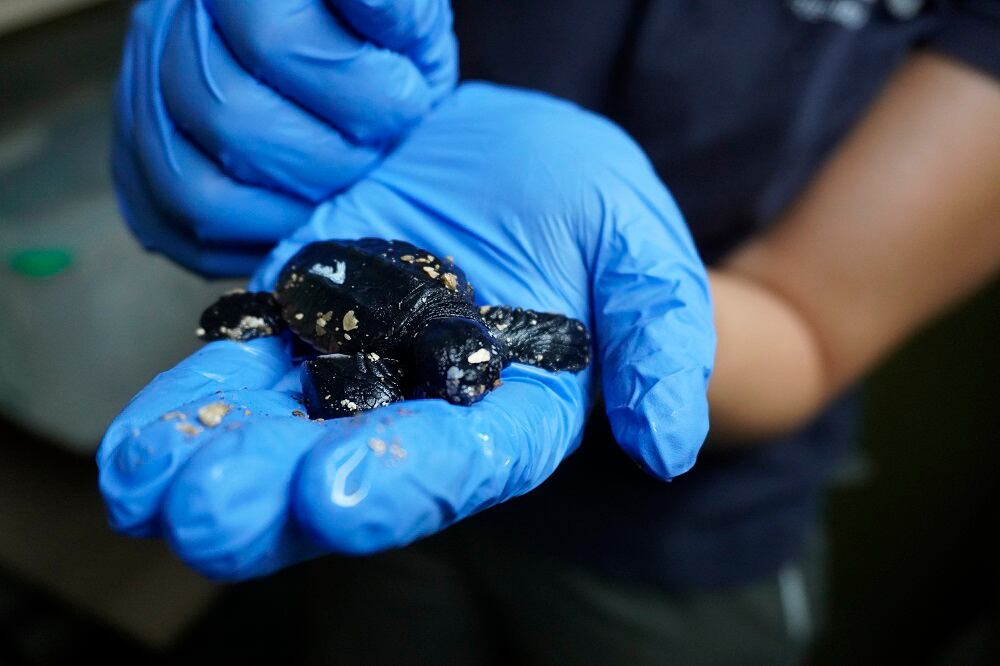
(391, 322)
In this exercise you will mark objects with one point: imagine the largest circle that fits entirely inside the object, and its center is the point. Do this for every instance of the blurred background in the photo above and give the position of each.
(86, 319)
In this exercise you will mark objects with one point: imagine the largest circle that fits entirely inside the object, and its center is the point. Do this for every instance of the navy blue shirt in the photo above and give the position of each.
(737, 104)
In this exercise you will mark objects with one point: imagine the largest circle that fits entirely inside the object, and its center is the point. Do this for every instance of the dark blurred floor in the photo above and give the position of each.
(70, 589)
(915, 565)
(54, 537)
(37, 628)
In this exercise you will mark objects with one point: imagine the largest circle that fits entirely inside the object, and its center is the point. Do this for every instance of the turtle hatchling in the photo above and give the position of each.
(393, 322)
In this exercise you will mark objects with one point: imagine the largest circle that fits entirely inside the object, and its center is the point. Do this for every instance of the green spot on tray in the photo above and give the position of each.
(40, 262)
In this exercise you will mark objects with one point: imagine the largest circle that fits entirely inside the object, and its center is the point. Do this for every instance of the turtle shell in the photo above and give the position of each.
(368, 295)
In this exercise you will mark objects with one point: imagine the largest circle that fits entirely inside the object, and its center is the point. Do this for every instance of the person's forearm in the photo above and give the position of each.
(903, 221)
(769, 369)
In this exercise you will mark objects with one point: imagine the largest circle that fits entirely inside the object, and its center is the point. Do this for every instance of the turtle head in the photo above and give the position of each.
(456, 359)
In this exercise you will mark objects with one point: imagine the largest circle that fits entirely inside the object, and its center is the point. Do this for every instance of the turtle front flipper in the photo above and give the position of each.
(241, 316)
(549, 341)
(336, 385)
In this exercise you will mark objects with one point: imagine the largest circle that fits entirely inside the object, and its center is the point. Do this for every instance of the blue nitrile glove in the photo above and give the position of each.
(234, 119)
(545, 206)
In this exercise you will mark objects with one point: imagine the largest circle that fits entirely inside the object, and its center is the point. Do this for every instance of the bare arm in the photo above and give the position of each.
(902, 222)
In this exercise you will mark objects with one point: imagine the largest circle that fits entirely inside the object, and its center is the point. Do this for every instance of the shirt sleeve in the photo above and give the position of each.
(969, 31)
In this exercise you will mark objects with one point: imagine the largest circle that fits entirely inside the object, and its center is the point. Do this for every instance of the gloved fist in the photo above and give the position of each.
(234, 119)
(544, 206)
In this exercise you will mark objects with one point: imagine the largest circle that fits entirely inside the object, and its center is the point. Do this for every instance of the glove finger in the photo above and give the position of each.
(393, 475)
(187, 185)
(302, 50)
(653, 319)
(157, 431)
(419, 29)
(258, 136)
(227, 511)
(158, 233)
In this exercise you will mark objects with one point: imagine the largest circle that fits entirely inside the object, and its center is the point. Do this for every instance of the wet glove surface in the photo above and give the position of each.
(544, 206)
(233, 119)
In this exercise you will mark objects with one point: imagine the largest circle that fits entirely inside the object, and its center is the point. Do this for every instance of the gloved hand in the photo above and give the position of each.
(234, 119)
(544, 206)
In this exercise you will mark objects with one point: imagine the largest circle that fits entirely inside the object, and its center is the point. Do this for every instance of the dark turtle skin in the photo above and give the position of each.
(393, 322)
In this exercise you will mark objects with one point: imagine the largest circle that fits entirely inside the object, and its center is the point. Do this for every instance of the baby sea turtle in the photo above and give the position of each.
(393, 322)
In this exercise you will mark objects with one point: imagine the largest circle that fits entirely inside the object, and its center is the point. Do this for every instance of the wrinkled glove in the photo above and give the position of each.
(233, 119)
(544, 206)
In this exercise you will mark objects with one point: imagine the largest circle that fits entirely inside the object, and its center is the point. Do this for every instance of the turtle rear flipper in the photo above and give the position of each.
(546, 340)
(336, 385)
(241, 316)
